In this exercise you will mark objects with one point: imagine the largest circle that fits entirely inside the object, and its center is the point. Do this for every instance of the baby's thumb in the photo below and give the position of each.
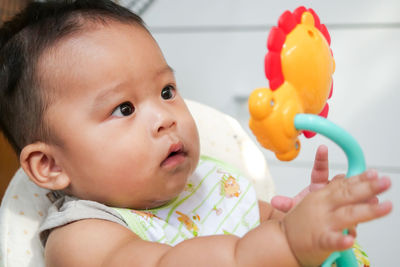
(282, 203)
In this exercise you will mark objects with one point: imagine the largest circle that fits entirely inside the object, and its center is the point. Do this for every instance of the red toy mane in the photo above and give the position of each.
(286, 23)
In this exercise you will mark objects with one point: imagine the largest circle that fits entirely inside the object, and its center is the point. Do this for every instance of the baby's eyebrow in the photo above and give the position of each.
(167, 68)
(106, 94)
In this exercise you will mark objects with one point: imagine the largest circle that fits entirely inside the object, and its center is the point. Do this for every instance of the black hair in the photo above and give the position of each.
(23, 40)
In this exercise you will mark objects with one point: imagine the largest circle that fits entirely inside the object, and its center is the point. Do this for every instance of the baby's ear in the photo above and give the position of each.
(40, 165)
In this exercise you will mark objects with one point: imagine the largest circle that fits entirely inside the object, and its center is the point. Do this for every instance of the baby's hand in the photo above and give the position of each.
(314, 227)
(319, 178)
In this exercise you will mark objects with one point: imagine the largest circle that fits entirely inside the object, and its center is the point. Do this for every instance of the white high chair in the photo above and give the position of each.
(25, 205)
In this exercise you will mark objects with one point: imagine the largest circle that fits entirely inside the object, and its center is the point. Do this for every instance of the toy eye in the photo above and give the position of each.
(168, 92)
(123, 110)
(272, 102)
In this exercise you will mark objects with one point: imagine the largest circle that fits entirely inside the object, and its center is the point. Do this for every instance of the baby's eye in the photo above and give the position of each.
(123, 110)
(168, 92)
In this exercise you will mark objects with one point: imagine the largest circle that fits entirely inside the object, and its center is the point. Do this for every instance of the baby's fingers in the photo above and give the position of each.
(336, 241)
(351, 215)
(357, 189)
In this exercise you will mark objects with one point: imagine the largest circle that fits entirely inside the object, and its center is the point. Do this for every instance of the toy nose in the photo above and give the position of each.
(260, 103)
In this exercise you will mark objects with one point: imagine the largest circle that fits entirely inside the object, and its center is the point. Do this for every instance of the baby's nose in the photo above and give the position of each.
(165, 125)
(164, 121)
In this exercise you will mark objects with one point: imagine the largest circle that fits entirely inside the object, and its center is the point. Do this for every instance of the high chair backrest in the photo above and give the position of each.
(8, 164)
(25, 205)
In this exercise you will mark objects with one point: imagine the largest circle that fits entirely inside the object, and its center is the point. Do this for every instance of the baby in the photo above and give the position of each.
(91, 106)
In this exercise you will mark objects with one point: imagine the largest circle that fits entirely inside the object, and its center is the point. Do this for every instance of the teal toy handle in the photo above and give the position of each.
(356, 165)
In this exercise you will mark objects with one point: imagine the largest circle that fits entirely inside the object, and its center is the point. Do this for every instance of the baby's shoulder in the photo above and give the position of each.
(86, 242)
(67, 210)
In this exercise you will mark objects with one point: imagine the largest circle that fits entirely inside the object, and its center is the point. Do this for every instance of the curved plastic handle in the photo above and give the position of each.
(356, 165)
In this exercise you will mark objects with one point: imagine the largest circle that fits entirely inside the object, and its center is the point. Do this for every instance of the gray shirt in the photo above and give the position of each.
(69, 209)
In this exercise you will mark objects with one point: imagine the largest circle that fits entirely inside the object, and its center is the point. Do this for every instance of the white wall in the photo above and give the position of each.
(217, 48)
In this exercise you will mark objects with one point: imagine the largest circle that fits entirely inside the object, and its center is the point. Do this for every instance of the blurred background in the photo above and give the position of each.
(217, 48)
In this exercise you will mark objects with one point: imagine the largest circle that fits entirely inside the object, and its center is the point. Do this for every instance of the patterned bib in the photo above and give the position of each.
(216, 200)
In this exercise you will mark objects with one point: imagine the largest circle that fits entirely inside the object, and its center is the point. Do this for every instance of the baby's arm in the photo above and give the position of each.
(306, 235)
(102, 243)
(268, 212)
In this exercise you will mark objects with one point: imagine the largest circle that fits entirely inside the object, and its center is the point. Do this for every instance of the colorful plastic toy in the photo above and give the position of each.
(299, 67)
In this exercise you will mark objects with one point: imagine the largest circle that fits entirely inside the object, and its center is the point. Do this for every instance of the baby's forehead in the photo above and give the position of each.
(58, 53)
(90, 55)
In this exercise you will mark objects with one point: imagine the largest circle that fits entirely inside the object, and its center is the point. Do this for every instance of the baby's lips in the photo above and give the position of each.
(177, 147)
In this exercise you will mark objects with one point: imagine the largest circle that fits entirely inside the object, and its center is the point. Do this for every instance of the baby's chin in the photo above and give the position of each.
(160, 203)
(151, 204)
(157, 201)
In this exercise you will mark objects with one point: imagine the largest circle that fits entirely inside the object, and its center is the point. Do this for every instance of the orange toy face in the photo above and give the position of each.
(299, 65)
(307, 64)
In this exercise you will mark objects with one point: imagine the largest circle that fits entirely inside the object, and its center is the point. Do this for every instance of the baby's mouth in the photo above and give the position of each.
(176, 155)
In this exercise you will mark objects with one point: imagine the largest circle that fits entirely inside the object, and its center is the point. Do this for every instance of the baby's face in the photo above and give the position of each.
(128, 137)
